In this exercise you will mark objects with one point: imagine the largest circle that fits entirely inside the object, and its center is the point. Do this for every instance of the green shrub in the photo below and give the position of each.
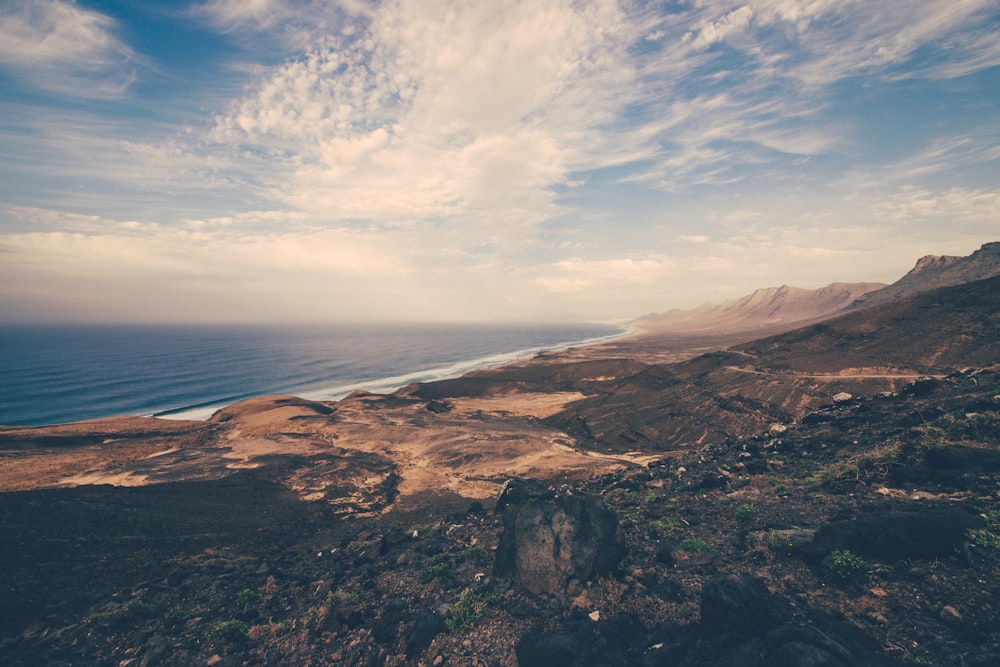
(230, 631)
(246, 598)
(983, 538)
(664, 524)
(177, 616)
(745, 512)
(471, 608)
(843, 566)
(776, 484)
(697, 545)
(432, 572)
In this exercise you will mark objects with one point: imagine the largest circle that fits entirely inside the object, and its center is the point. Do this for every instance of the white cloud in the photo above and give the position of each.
(60, 46)
(963, 208)
(710, 32)
(582, 275)
(469, 112)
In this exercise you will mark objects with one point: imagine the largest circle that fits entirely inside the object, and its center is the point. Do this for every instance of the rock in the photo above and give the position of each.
(157, 648)
(740, 605)
(964, 458)
(744, 625)
(386, 625)
(894, 536)
(583, 642)
(421, 632)
(950, 615)
(550, 540)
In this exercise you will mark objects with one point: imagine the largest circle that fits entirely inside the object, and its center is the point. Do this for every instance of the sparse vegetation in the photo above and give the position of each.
(696, 545)
(232, 630)
(777, 485)
(842, 566)
(745, 513)
(247, 598)
(987, 538)
(468, 611)
(176, 616)
(664, 524)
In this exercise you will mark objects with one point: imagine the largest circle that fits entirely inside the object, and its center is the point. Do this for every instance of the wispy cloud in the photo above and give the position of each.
(61, 47)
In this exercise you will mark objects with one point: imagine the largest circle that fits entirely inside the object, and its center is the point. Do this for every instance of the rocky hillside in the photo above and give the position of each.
(731, 393)
(934, 271)
(769, 309)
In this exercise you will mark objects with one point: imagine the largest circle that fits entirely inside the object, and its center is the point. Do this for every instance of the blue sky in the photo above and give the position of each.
(297, 160)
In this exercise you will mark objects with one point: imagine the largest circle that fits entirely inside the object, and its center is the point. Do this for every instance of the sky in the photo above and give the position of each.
(453, 160)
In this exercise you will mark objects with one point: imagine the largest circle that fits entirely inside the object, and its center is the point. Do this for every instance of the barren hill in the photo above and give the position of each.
(778, 379)
(768, 308)
(935, 271)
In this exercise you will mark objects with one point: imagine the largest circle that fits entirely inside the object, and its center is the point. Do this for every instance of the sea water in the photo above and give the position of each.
(60, 373)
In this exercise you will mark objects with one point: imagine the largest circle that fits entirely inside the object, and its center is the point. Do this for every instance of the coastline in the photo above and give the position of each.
(389, 384)
(56, 374)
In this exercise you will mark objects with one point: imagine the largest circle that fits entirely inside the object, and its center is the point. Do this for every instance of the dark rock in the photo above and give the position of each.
(157, 649)
(744, 625)
(438, 407)
(421, 632)
(549, 540)
(894, 536)
(665, 552)
(618, 641)
(385, 629)
(740, 605)
(823, 644)
(964, 458)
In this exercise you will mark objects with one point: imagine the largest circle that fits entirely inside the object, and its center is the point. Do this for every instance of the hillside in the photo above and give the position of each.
(933, 271)
(764, 309)
(737, 392)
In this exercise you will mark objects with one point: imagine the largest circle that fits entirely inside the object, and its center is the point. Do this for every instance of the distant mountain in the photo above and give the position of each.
(770, 308)
(934, 331)
(741, 391)
(932, 272)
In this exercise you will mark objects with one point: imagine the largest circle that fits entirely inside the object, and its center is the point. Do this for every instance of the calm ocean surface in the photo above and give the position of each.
(53, 374)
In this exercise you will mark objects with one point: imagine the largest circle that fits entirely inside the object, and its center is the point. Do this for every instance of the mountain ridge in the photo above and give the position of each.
(781, 306)
(772, 310)
(935, 271)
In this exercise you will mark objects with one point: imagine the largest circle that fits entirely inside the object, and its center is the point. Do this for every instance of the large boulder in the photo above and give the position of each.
(743, 624)
(895, 535)
(551, 540)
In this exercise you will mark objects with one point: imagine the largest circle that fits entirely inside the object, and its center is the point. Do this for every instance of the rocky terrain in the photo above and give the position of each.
(827, 496)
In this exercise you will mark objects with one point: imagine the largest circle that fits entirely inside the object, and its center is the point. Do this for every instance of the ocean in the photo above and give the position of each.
(60, 373)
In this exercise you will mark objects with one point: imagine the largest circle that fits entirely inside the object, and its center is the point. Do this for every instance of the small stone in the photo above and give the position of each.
(595, 615)
(950, 615)
(214, 660)
(437, 661)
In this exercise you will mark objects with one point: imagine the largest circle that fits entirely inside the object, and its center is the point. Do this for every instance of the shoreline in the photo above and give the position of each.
(389, 384)
(68, 374)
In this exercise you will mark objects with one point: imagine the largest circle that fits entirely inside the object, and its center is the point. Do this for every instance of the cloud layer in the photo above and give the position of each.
(469, 160)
